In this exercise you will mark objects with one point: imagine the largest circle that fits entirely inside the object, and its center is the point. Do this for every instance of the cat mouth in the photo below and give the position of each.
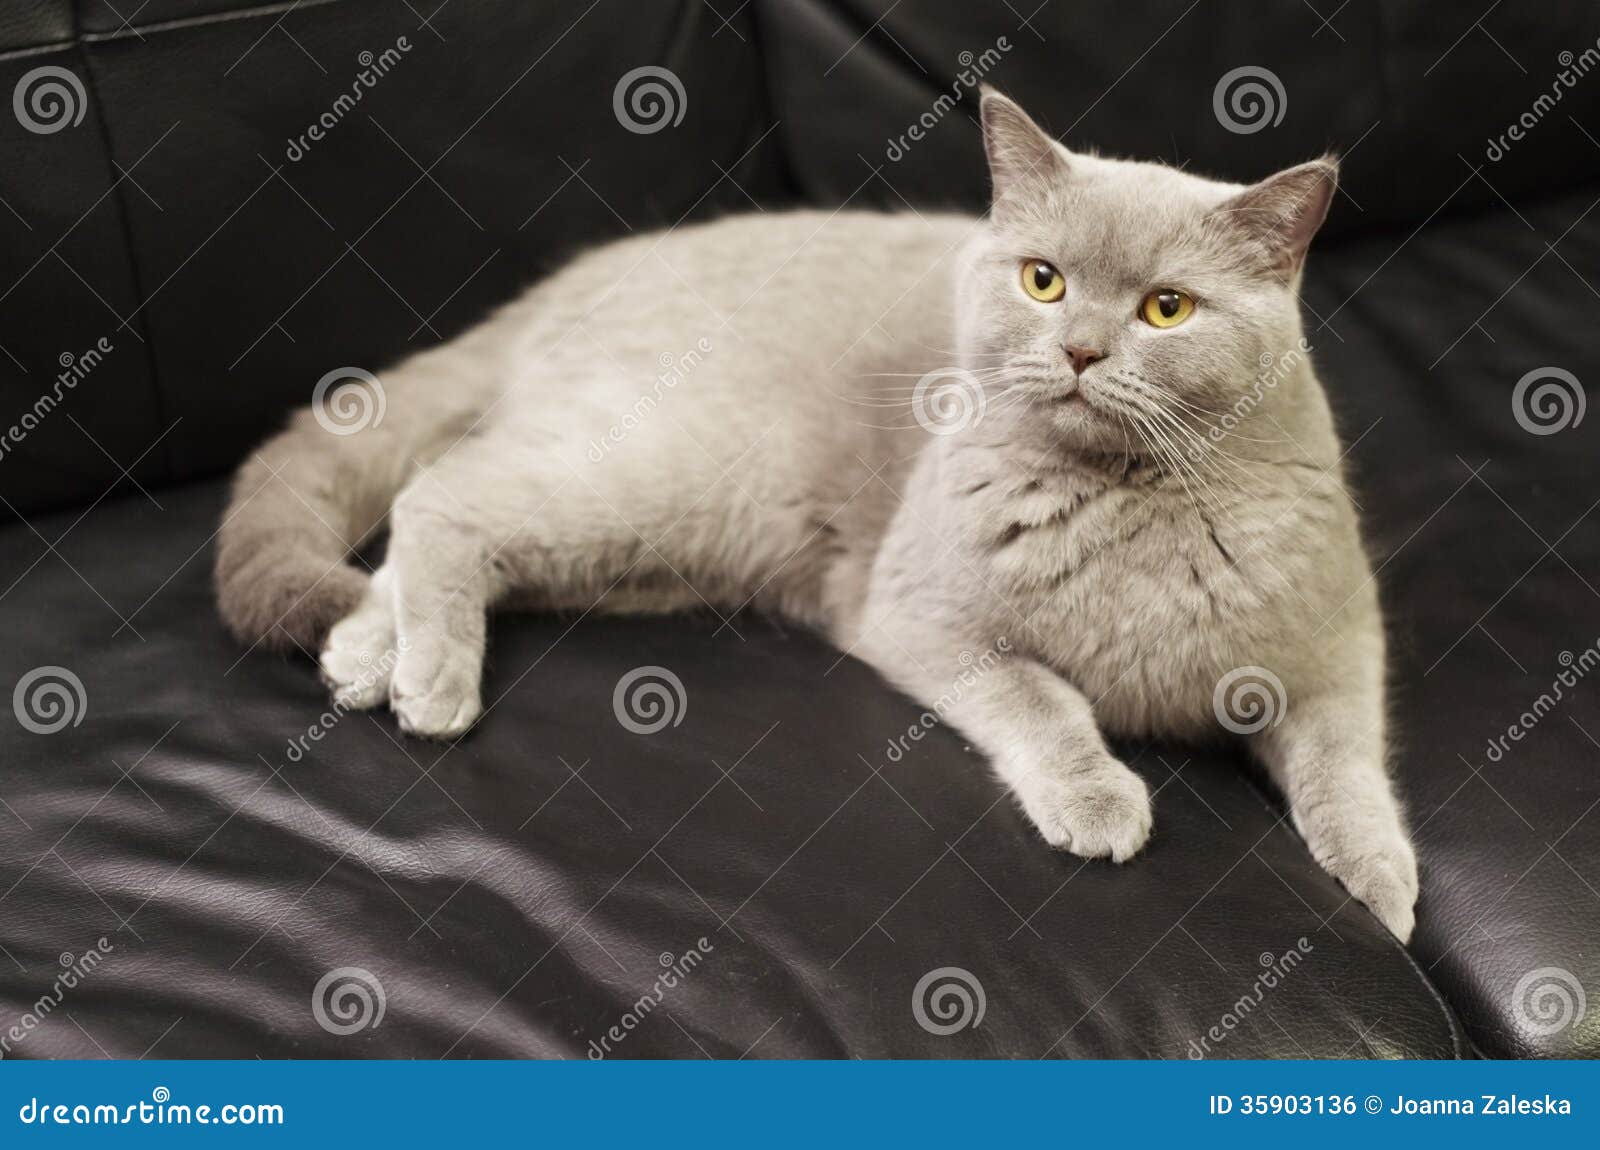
(1078, 416)
(1076, 400)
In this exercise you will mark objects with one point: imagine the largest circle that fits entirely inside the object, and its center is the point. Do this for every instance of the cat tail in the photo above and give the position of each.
(309, 498)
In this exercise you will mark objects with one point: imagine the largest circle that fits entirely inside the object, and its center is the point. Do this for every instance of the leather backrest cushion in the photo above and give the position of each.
(77, 393)
(32, 24)
(223, 225)
(1412, 94)
(237, 230)
(99, 18)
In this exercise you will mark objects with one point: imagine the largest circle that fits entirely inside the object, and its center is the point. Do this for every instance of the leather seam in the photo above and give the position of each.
(80, 37)
(1455, 1026)
(130, 254)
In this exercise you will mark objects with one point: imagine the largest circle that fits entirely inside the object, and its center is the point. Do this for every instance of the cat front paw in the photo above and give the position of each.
(359, 655)
(358, 661)
(1095, 810)
(438, 697)
(1385, 881)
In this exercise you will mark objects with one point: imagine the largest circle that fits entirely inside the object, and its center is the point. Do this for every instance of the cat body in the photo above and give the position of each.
(871, 425)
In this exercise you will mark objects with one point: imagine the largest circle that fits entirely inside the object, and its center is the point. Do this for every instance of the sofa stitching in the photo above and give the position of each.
(766, 46)
(103, 130)
(177, 24)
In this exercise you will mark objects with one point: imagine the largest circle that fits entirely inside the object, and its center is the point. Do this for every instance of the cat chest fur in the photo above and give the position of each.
(1123, 585)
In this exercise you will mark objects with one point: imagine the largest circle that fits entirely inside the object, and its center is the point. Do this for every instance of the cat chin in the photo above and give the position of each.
(1082, 427)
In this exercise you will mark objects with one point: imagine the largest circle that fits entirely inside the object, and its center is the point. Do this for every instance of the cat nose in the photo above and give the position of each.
(1081, 357)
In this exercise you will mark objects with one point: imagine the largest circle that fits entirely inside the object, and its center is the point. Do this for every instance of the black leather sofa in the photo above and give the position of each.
(183, 249)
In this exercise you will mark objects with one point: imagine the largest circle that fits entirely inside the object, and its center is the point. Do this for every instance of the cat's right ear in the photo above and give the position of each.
(1023, 159)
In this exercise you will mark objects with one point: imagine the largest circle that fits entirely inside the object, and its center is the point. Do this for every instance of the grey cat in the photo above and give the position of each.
(1047, 436)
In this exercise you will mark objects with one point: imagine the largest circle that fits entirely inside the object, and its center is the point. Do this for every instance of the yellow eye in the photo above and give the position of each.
(1043, 282)
(1165, 307)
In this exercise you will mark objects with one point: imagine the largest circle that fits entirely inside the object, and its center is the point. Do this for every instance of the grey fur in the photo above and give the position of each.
(1116, 544)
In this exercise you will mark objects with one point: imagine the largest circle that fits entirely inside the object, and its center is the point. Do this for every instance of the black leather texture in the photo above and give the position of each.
(517, 893)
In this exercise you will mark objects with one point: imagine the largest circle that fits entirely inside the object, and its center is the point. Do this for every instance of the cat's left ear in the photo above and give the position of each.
(1024, 161)
(1283, 212)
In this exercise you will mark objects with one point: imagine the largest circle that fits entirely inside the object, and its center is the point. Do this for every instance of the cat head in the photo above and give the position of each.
(1102, 289)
